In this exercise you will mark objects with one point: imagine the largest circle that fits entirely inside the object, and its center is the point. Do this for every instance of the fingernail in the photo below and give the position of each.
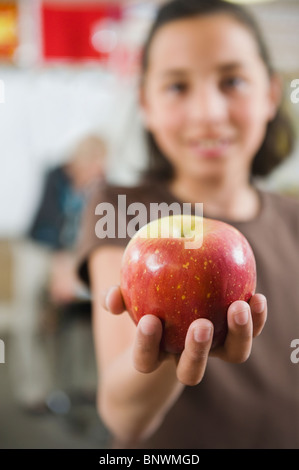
(202, 335)
(259, 307)
(147, 327)
(241, 317)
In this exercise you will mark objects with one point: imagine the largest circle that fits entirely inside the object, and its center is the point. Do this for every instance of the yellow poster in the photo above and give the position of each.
(8, 29)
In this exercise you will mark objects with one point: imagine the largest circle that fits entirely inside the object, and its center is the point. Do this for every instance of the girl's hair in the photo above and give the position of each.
(279, 138)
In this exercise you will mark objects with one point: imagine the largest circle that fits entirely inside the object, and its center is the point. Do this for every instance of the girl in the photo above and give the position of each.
(210, 103)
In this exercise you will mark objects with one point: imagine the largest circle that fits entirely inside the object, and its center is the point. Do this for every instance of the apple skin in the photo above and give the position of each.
(159, 276)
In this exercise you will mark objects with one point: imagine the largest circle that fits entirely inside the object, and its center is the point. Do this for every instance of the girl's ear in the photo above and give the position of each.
(275, 94)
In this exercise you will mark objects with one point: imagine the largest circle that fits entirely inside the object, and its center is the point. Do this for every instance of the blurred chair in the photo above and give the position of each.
(28, 360)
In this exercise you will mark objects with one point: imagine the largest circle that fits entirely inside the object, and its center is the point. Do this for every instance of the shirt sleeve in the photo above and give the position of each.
(48, 221)
(99, 226)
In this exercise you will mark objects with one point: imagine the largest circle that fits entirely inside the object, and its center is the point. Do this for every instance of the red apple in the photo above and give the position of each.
(166, 275)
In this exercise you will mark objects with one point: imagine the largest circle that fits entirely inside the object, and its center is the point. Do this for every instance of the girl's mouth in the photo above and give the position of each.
(209, 148)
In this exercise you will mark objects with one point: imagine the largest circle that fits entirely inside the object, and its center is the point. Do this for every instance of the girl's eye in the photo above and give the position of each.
(177, 88)
(233, 83)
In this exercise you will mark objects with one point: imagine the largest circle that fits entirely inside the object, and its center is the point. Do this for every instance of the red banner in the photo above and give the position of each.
(8, 29)
(79, 31)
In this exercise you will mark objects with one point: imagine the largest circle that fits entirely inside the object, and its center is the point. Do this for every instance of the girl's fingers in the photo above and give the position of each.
(245, 321)
(238, 343)
(112, 300)
(146, 350)
(192, 363)
(258, 305)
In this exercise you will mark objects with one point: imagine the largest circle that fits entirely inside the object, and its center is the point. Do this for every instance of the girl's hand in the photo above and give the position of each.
(245, 321)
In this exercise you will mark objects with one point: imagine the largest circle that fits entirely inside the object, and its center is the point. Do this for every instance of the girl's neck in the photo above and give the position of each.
(234, 199)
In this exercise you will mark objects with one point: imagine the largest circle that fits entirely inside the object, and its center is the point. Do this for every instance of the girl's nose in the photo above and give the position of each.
(207, 105)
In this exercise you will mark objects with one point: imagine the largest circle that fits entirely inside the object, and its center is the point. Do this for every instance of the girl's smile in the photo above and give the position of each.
(209, 147)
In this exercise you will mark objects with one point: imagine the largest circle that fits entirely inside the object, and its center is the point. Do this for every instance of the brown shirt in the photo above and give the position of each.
(250, 405)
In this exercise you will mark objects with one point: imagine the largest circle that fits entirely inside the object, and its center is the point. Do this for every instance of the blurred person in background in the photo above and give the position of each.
(46, 283)
(211, 108)
(57, 221)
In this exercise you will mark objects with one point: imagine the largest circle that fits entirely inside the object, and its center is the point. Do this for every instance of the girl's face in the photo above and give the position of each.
(207, 96)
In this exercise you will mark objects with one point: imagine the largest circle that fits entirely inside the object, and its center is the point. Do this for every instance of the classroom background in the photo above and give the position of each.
(68, 80)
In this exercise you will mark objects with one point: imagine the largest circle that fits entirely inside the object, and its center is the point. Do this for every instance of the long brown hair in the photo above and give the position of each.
(280, 136)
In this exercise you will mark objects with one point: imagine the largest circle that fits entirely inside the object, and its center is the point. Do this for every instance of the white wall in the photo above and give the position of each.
(45, 112)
